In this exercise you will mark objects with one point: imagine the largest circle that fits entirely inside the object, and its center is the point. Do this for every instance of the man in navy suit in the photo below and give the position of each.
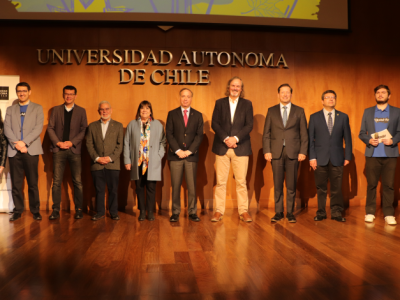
(381, 154)
(184, 133)
(327, 130)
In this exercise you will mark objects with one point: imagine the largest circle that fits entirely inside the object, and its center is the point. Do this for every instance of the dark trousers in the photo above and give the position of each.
(384, 168)
(335, 176)
(280, 167)
(177, 168)
(19, 164)
(101, 179)
(60, 158)
(150, 186)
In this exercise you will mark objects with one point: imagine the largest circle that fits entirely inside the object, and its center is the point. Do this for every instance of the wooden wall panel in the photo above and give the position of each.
(352, 63)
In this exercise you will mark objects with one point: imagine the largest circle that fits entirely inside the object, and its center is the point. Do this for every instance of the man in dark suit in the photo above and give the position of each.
(232, 122)
(285, 142)
(327, 130)
(22, 127)
(104, 141)
(184, 133)
(381, 152)
(67, 128)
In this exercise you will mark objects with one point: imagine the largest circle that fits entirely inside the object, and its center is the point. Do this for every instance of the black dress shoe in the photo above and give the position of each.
(339, 219)
(54, 215)
(142, 215)
(115, 217)
(37, 216)
(15, 216)
(291, 218)
(97, 217)
(78, 214)
(150, 216)
(319, 218)
(277, 217)
(174, 218)
(194, 218)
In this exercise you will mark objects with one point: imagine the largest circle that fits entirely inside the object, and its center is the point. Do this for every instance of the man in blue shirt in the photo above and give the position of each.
(381, 155)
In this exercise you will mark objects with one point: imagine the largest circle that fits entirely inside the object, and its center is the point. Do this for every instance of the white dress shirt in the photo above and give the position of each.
(104, 128)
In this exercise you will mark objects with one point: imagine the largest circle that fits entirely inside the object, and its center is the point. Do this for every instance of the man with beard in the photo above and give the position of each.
(381, 154)
(232, 122)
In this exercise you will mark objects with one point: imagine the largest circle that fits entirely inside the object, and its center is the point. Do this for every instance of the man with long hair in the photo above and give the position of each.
(232, 121)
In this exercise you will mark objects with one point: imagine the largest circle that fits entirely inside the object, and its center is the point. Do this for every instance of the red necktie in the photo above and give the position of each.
(185, 117)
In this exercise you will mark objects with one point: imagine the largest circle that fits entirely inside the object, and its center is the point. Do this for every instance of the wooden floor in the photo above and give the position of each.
(128, 259)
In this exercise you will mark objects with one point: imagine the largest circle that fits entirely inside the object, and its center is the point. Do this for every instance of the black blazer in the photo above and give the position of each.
(295, 133)
(184, 138)
(241, 127)
(325, 147)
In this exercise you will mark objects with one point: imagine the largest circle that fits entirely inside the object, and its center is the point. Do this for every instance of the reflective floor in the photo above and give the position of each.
(128, 259)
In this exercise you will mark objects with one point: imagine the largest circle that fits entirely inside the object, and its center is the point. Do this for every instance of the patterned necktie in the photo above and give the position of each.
(185, 118)
(285, 116)
(330, 123)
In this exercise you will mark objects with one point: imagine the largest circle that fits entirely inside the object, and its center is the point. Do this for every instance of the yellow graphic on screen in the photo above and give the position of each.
(294, 9)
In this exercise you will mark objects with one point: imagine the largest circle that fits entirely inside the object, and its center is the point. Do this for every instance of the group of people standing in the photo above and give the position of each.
(286, 141)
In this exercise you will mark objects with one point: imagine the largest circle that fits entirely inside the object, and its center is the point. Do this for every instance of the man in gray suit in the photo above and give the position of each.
(285, 142)
(104, 141)
(22, 128)
(67, 128)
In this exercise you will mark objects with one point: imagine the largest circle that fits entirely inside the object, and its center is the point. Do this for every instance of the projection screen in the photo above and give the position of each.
(293, 13)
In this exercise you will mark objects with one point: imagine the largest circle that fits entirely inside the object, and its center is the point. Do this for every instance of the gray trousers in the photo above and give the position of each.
(177, 168)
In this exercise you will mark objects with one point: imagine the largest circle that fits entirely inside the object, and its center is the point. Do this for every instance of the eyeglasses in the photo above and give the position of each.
(330, 97)
(22, 92)
(65, 94)
(104, 109)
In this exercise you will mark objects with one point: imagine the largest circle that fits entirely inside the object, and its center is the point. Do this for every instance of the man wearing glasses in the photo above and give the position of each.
(22, 128)
(66, 130)
(327, 130)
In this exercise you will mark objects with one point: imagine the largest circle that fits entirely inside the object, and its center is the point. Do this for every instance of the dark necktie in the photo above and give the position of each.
(330, 123)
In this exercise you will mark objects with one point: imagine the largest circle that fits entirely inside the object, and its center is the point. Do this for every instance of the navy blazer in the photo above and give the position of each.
(368, 128)
(325, 147)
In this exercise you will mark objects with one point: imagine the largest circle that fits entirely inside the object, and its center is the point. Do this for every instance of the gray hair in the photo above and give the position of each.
(104, 102)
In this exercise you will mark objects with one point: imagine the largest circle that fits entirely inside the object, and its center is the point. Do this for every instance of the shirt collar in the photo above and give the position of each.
(234, 102)
(386, 108)
(287, 105)
(29, 101)
(101, 121)
(69, 109)
(327, 112)
(188, 109)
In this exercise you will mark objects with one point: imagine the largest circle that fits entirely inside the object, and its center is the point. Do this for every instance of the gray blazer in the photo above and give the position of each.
(77, 129)
(110, 146)
(368, 127)
(156, 152)
(33, 126)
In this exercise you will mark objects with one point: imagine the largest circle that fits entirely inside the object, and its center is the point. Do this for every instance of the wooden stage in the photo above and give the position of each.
(128, 259)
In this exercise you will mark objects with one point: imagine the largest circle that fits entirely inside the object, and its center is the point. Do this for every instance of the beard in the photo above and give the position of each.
(382, 101)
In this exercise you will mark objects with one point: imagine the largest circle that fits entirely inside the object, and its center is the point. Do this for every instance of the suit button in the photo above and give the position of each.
(185, 134)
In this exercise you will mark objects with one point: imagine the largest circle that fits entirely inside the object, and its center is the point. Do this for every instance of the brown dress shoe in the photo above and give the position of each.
(217, 217)
(245, 217)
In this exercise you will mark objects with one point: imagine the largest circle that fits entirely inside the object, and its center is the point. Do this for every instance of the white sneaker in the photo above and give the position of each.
(390, 220)
(369, 218)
